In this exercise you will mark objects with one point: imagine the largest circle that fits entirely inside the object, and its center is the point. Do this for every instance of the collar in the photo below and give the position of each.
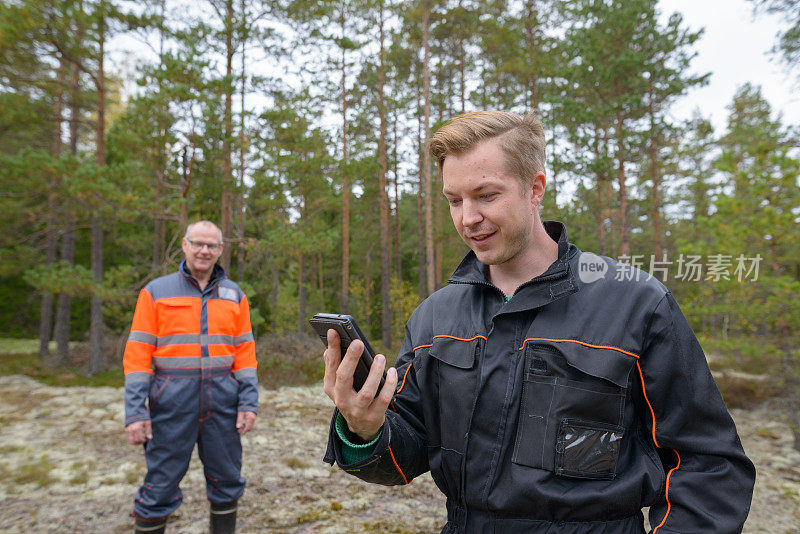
(217, 275)
(472, 271)
(556, 282)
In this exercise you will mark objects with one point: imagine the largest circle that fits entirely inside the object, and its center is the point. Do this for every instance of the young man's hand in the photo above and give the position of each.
(363, 411)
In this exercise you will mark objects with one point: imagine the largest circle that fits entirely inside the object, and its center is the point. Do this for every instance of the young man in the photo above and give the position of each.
(544, 396)
(193, 328)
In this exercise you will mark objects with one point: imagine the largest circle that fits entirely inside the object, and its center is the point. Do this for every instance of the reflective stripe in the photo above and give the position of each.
(179, 339)
(142, 337)
(223, 512)
(222, 339)
(219, 339)
(151, 528)
(244, 338)
(137, 376)
(245, 373)
(193, 362)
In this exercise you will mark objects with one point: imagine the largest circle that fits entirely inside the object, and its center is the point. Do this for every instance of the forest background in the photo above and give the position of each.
(299, 126)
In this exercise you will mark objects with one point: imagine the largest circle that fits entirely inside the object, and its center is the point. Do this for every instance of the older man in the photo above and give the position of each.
(190, 377)
(543, 392)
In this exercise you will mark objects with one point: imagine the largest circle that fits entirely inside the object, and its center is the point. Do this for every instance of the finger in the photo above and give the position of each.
(387, 393)
(332, 357)
(250, 422)
(344, 374)
(334, 344)
(370, 387)
(148, 430)
(240, 420)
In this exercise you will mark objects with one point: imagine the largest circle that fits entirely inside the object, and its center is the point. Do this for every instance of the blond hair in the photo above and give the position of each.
(520, 137)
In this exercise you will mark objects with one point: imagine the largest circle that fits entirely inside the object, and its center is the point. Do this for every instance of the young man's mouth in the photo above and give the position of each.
(481, 238)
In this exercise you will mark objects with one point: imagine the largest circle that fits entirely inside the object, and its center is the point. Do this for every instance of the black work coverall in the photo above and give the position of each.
(567, 409)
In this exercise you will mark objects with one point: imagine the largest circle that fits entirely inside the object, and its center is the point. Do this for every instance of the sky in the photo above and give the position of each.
(735, 49)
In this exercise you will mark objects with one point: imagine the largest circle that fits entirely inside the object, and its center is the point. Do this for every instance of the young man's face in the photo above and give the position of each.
(202, 248)
(491, 209)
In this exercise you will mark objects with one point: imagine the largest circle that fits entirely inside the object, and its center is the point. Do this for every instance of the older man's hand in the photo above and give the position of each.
(139, 432)
(245, 422)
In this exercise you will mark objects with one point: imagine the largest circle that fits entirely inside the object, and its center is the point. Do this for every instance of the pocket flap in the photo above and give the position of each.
(178, 302)
(455, 351)
(606, 363)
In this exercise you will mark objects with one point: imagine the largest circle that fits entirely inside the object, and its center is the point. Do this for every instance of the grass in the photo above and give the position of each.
(748, 355)
(311, 516)
(296, 463)
(133, 476)
(38, 472)
(20, 357)
(753, 356)
(292, 359)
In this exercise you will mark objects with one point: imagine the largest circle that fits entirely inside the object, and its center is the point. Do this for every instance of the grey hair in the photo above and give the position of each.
(202, 223)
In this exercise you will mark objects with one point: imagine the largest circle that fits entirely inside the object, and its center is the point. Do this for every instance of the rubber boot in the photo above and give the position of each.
(150, 527)
(223, 518)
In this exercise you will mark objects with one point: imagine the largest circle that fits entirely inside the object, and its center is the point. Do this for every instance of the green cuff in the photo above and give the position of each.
(352, 453)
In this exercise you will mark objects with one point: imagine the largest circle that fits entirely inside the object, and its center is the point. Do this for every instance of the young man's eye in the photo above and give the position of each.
(454, 201)
(488, 196)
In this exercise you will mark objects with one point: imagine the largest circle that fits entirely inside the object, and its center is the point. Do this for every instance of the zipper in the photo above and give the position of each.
(548, 278)
(462, 483)
(555, 276)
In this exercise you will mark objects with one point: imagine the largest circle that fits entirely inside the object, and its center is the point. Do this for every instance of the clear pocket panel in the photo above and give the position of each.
(587, 450)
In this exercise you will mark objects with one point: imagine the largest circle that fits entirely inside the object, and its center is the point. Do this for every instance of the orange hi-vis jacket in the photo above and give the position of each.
(179, 331)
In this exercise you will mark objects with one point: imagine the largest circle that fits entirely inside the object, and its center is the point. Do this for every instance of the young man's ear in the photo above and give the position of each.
(537, 185)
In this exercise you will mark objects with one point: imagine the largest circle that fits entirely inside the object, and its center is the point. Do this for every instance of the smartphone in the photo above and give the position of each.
(348, 332)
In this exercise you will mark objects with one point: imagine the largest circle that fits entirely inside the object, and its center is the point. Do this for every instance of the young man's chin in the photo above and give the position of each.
(486, 257)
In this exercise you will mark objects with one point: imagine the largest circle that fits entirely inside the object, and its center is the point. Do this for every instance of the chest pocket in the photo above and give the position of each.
(178, 315)
(571, 413)
(454, 360)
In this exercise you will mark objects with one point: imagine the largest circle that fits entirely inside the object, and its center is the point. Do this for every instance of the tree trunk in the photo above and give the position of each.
(96, 326)
(51, 238)
(430, 260)
(345, 296)
(368, 287)
(602, 198)
(64, 305)
(188, 170)
(438, 223)
(396, 175)
(227, 168)
(655, 179)
(531, 32)
(159, 227)
(462, 81)
(386, 259)
(301, 294)
(240, 246)
(624, 235)
(275, 293)
(61, 329)
(321, 278)
(421, 216)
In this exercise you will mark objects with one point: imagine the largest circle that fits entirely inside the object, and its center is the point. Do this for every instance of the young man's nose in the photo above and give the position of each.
(470, 214)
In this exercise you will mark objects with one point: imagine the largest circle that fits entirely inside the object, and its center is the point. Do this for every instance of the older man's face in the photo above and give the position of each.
(202, 248)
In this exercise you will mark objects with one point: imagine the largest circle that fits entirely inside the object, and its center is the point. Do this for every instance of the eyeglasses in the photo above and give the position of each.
(198, 245)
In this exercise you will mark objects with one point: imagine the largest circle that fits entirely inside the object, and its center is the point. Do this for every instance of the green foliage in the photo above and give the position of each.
(19, 363)
(788, 46)
(602, 74)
